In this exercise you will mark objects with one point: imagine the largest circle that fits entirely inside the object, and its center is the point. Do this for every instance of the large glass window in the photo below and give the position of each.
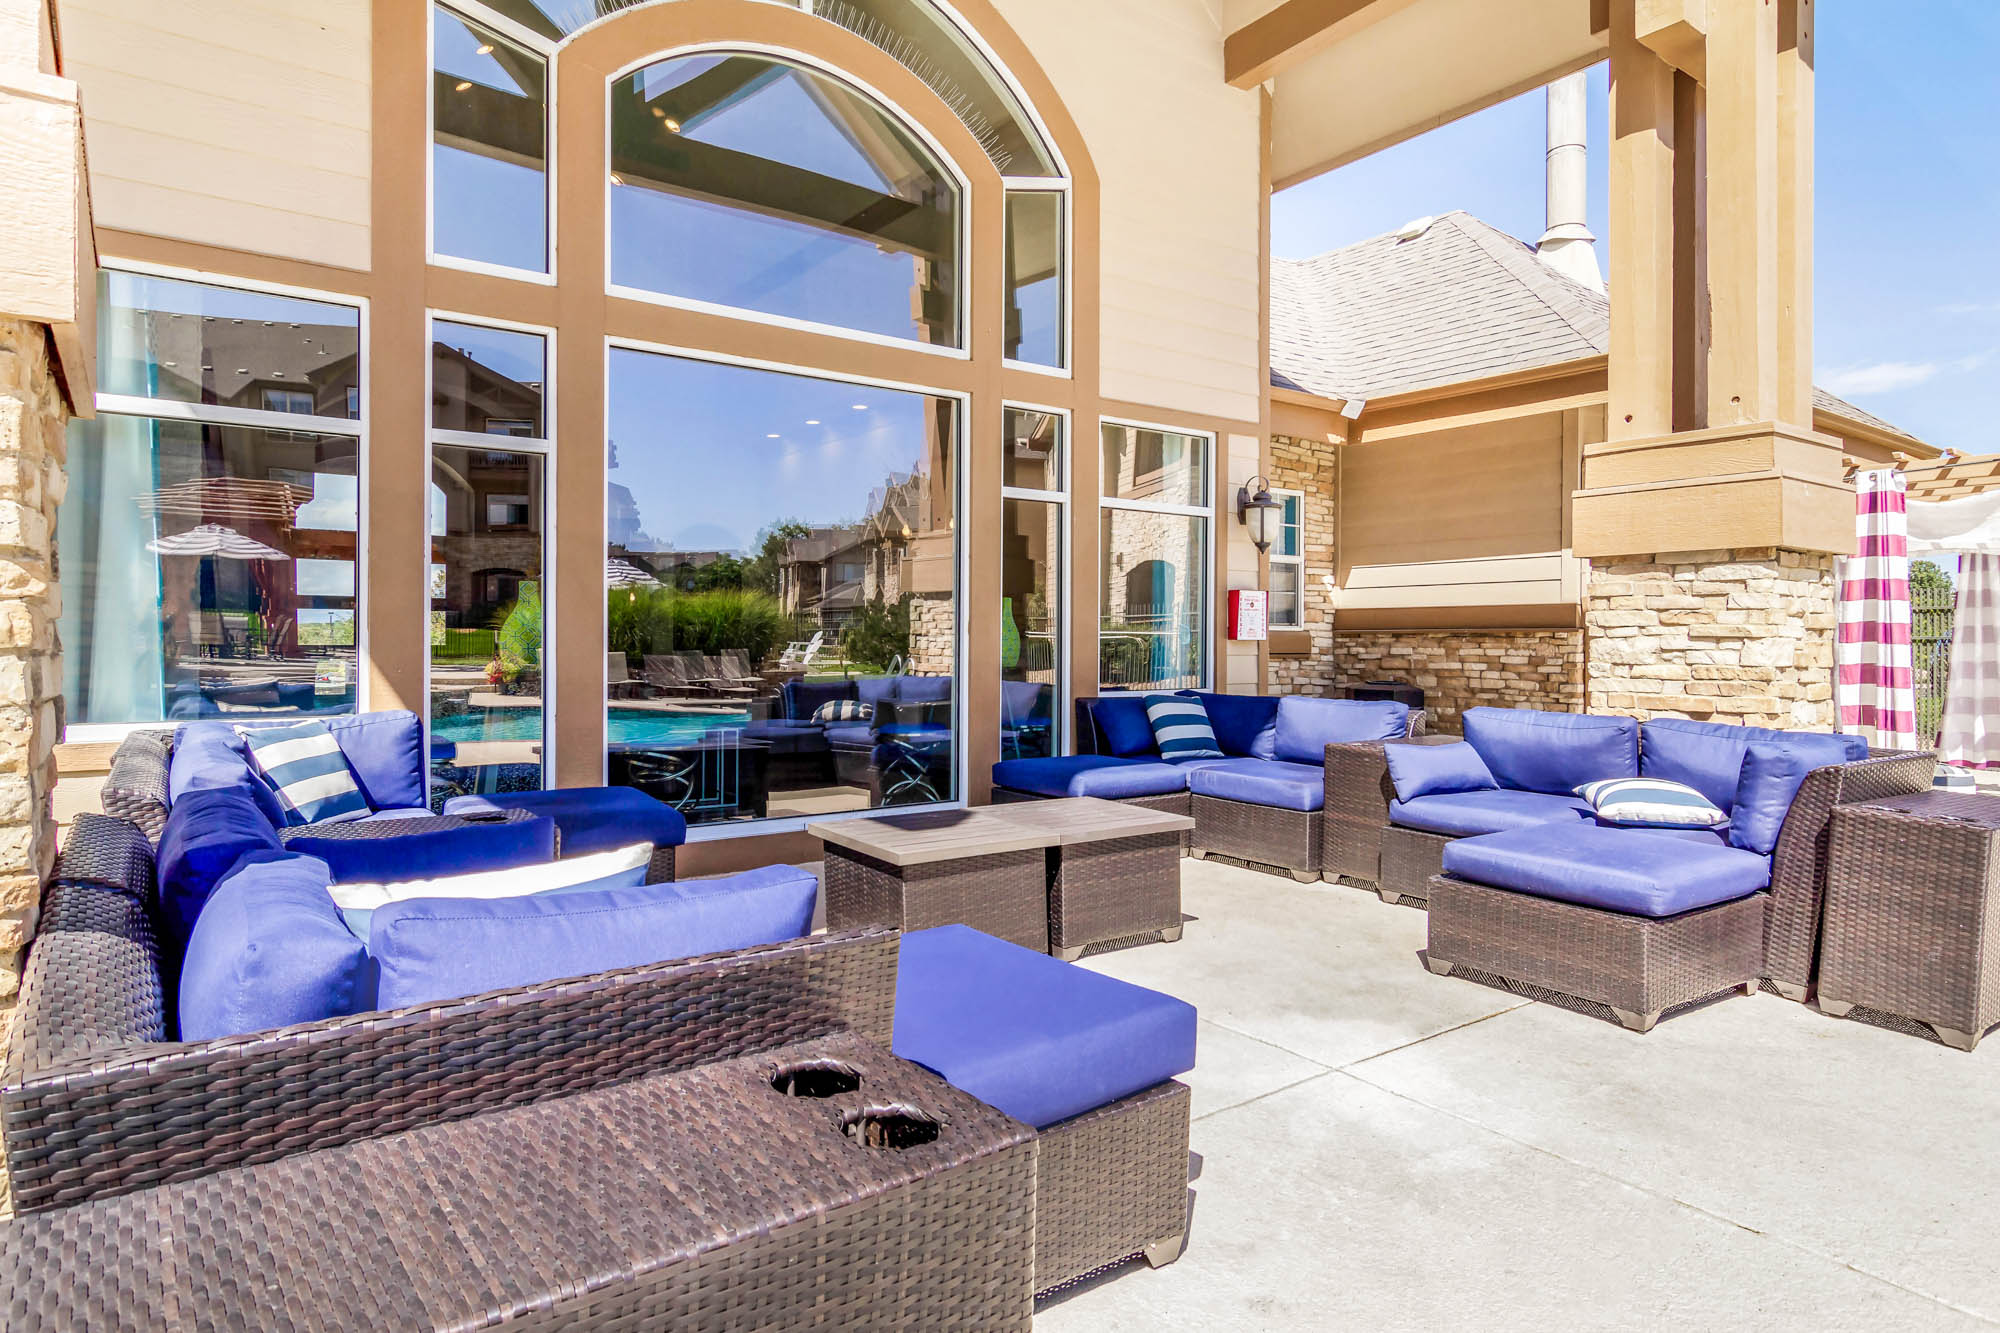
(1035, 287)
(782, 590)
(208, 566)
(488, 556)
(1031, 584)
(755, 184)
(489, 155)
(1153, 560)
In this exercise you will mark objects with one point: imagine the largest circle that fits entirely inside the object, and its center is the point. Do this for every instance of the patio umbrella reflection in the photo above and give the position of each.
(214, 539)
(625, 574)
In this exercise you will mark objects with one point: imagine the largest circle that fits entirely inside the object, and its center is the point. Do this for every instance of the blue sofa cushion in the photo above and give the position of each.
(802, 698)
(852, 735)
(590, 819)
(876, 689)
(209, 756)
(1122, 718)
(1271, 782)
(1552, 752)
(385, 749)
(923, 689)
(1708, 756)
(1100, 775)
(1025, 701)
(1180, 728)
(458, 851)
(1426, 770)
(1038, 1038)
(1305, 727)
(208, 831)
(1467, 814)
(1773, 772)
(430, 949)
(1618, 870)
(269, 950)
(1246, 725)
(786, 736)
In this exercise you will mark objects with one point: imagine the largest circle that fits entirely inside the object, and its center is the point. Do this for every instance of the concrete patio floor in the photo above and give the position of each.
(1379, 1148)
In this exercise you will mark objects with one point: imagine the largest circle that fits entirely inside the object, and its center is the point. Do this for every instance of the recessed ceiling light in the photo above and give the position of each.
(463, 85)
(485, 49)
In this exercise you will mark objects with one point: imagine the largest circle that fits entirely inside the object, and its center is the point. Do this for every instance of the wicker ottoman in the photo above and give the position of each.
(1913, 912)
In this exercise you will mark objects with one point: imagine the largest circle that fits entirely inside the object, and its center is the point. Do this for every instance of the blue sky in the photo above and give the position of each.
(1907, 302)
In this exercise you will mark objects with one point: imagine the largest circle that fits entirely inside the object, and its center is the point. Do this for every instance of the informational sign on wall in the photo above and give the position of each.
(1249, 614)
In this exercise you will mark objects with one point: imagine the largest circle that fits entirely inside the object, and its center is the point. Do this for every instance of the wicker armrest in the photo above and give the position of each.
(1799, 863)
(100, 849)
(94, 1104)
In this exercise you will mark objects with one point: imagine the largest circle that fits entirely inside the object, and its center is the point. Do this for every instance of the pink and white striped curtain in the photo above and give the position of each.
(1874, 687)
(1971, 734)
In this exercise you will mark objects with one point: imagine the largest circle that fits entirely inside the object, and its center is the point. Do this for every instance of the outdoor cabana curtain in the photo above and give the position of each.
(1874, 684)
(1969, 527)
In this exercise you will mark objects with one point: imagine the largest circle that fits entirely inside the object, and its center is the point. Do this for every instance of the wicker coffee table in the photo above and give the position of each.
(826, 1185)
(1114, 870)
(938, 868)
(1912, 922)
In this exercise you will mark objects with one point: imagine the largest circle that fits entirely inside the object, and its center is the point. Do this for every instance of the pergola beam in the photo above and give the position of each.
(1296, 29)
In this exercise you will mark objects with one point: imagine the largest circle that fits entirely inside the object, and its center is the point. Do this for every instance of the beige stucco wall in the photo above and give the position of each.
(1177, 152)
(236, 123)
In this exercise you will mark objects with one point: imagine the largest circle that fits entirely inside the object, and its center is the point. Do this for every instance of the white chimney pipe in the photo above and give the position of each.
(1567, 246)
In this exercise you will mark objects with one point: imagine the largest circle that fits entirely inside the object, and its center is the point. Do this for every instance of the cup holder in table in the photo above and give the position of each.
(890, 1127)
(816, 1078)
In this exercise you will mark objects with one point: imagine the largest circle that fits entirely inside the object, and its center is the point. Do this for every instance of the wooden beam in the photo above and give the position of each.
(1676, 31)
(1643, 154)
(1264, 47)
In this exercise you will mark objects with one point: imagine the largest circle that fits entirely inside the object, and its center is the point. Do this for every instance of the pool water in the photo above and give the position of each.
(627, 725)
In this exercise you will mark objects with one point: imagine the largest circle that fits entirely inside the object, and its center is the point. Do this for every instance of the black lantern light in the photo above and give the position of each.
(1257, 511)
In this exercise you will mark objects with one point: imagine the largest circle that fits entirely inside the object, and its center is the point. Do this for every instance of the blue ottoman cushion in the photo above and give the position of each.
(1038, 1038)
(1269, 782)
(1617, 870)
(591, 819)
(1468, 814)
(1101, 775)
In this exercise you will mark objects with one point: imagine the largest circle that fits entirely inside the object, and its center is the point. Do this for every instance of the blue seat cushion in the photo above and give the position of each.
(1426, 770)
(1467, 814)
(1529, 750)
(1246, 725)
(1708, 756)
(270, 949)
(1773, 772)
(1100, 775)
(1269, 782)
(208, 831)
(453, 851)
(786, 736)
(1619, 870)
(590, 819)
(1122, 720)
(430, 949)
(1708, 837)
(851, 735)
(1305, 727)
(1038, 1038)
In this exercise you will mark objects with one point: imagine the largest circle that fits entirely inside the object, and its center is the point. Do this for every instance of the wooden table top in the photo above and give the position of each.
(951, 835)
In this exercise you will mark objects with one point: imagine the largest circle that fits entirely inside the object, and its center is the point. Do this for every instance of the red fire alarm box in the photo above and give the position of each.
(1249, 614)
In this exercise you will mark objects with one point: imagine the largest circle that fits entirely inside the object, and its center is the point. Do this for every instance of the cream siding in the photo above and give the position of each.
(1239, 661)
(235, 123)
(1176, 150)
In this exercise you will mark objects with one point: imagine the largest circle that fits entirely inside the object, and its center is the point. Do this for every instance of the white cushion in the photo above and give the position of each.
(1651, 803)
(621, 868)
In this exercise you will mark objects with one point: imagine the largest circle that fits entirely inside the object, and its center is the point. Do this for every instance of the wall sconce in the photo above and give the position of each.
(1257, 511)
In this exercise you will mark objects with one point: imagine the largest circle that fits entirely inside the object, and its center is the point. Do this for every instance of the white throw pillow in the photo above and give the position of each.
(1651, 803)
(622, 868)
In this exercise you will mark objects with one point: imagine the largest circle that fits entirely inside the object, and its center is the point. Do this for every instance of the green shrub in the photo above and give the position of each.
(666, 620)
(878, 635)
(520, 640)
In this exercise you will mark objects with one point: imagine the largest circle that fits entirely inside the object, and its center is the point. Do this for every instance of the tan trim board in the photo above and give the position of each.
(1447, 619)
(1296, 29)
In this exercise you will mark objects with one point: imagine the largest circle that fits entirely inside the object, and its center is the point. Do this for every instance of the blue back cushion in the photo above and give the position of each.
(1428, 770)
(1708, 756)
(455, 851)
(385, 750)
(803, 697)
(1305, 727)
(1246, 725)
(208, 831)
(270, 949)
(1122, 718)
(210, 756)
(430, 949)
(923, 689)
(1552, 752)
(1025, 701)
(876, 689)
(1180, 727)
(1773, 771)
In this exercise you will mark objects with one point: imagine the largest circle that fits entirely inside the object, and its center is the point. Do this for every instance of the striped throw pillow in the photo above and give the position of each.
(1181, 728)
(843, 710)
(304, 766)
(1651, 803)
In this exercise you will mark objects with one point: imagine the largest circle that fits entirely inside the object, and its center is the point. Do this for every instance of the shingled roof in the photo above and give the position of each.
(1459, 300)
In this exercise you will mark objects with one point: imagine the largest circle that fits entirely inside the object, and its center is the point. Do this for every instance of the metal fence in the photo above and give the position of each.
(1932, 607)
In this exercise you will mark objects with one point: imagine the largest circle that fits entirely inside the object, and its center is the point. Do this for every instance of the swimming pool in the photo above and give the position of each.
(626, 725)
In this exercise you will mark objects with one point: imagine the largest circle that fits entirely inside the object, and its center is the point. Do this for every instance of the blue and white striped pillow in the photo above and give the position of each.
(843, 710)
(1651, 803)
(1181, 728)
(303, 765)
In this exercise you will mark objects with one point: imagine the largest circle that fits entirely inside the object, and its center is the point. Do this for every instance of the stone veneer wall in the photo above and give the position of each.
(1313, 468)
(1731, 636)
(933, 635)
(1456, 670)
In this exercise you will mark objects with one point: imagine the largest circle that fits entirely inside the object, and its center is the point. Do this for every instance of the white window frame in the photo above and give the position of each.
(962, 572)
(1204, 511)
(355, 428)
(1297, 561)
(1060, 499)
(543, 445)
(1066, 277)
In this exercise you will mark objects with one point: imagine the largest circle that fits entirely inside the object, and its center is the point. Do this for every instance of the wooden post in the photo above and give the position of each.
(1796, 22)
(1641, 384)
(1743, 226)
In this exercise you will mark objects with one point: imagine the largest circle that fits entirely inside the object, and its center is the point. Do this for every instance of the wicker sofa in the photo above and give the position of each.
(1261, 804)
